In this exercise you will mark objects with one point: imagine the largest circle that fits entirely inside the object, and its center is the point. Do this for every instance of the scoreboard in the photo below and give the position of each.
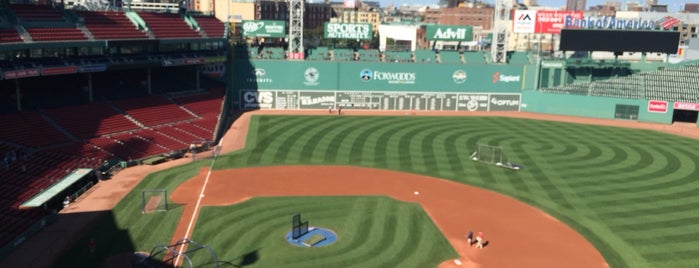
(373, 100)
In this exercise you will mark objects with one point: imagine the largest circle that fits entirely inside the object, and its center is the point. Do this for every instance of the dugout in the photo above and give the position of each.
(684, 116)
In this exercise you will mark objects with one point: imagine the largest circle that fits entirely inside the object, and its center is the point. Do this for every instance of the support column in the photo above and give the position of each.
(197, 78)
(150, 88)
(19, 95)
(89, 87)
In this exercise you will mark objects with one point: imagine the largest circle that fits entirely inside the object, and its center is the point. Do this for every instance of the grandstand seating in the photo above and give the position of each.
(319, 53)
(90, 120)
(150, 110)
(29, 129)
(110, 25)
(204, 105)
(370, 55)
(211, 26)
(178, 134)
(165, 25)
(36, 13)
(197, 130)
(398, 56)
(424, 56)
(449, 56)
(9, 35)
(342, 54)
(669, 84)
(56, 34)
(474, 57)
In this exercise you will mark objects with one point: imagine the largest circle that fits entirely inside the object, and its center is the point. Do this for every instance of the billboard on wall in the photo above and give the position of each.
(348, 30)
(552, 21)
(311, 75)
(264, 28)
(374, 100)
(543, 21)
(448, 33)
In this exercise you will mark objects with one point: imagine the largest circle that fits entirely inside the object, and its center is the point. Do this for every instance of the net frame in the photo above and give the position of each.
(147, 200)
(488, 153)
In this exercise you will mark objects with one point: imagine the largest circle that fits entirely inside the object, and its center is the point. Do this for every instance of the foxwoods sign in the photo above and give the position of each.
(348, 31)
(608, 22)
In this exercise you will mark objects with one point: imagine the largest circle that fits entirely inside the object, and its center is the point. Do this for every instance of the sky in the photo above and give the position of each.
(673, 5)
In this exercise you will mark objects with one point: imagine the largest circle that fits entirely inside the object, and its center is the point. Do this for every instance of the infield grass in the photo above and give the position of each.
(372, 232)
(632, 193)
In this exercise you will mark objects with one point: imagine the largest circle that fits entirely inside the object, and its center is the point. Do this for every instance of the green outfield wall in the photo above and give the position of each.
(365, 76)
(598, 107)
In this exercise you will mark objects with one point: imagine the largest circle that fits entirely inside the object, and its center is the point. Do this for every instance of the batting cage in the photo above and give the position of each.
(154, 200)
(183, 253)
(298, 228)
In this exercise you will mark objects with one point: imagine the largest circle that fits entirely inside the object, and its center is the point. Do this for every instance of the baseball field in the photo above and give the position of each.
(631, 193)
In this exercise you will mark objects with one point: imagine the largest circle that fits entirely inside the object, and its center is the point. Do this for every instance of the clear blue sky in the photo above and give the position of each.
(673, 5)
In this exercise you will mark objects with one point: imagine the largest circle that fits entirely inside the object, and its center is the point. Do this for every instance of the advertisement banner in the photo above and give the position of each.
(59, 70)
(21, 73)
(472, 102)
(348, 30)
(264, 28)
(285, 75)
(449, 33)
(524, 21)
(92, 68)
(437, 77)
(552, 21)
(256, 99)
(316, 99)
(504, 102)
(656, 106)
(686, 106)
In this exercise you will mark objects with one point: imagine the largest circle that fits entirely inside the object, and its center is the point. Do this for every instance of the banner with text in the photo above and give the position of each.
(348, 30)
(371, 100)
(542, 21)
(264, 28)
(449, 33)
(367, 76)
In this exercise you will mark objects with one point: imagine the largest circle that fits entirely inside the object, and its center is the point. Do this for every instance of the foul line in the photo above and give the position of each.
(196, 207)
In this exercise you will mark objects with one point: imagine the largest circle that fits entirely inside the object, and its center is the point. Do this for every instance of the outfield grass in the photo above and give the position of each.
(372, 232)
(632, 193)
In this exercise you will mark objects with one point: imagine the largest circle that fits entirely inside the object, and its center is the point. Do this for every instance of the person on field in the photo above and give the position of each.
(480, 239)
(330, 109)
(470, 237)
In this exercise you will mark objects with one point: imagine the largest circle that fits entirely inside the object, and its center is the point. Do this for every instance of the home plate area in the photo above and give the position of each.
(315, 237)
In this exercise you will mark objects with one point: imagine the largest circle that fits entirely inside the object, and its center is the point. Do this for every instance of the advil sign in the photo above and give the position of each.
(449, 33)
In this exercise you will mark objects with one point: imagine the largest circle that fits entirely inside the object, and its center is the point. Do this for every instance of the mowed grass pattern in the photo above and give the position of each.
(632, 193)
(372, 232)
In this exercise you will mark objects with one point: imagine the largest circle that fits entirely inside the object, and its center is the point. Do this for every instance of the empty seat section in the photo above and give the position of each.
(36, 13)
(30, 129)
(116, 148)
(205, 105)
(196, 130)
(213, 27)
(165, 25)
(162, 140)
(90, 120)
(110, 25)
(178, 134)
(153, 110)
(9, 35)
(56, 34)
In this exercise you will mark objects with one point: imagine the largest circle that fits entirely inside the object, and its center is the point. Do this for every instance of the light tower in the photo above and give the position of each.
(501, 21)
(296, 29)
